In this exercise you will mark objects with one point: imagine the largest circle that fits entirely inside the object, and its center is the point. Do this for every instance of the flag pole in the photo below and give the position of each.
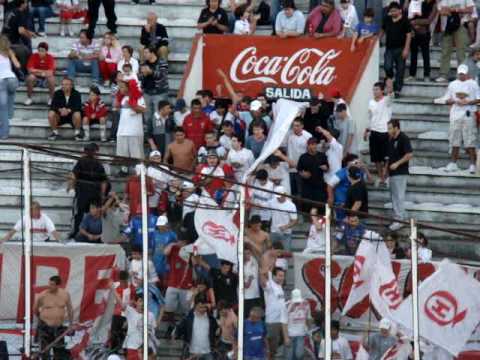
(414, 251)
(143, 184)
(241, 295)
(328, 284)
(27, 251)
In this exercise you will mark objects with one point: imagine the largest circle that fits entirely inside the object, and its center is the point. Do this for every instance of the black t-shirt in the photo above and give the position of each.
(311, 121)
(89, 174)
(219, 14)
(357, 192)
(427, 8)
(312, 163)
(224, 286)
(397, 149)
(396, 32)
(14, 20)
(322, 23)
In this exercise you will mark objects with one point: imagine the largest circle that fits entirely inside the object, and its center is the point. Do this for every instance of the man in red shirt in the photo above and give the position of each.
(197, 124)
(133, 192)
(41, 72)
(94, 111)
(214, 167)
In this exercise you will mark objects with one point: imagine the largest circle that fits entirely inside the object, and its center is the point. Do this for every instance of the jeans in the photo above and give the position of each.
(7, 101)
(152, 104)
(286, 239)
(421, 41)
(296, 349)
(274, 10)
(459, 40)
(398, 189)
(394, 63)
(90, 66)
(42, 12)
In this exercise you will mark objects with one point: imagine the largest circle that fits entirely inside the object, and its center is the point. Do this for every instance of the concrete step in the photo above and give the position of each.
(417, 124)
(105, 148)
(419, 106)
(424, 89)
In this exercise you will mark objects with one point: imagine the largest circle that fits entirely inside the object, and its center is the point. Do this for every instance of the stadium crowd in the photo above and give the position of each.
(221, 136)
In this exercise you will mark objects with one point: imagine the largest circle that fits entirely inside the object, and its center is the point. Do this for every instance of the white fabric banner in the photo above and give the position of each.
(400, 351)
(384, 291)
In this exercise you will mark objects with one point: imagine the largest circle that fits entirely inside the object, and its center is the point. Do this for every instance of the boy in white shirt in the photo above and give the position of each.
(239, 158)
(134, 339)
(284, 219)
(135, 269)
(262, 198)
(340, 347)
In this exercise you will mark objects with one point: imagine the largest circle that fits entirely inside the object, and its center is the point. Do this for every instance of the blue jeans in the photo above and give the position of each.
(7, 101)
(90, 66)
(296, 348)
(42, 12)
(394, 66)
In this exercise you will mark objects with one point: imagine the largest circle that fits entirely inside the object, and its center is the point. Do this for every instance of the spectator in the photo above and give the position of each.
(133, 191)
(349, 16)
(154, 35)
(69, 9)
(246, 23)
(8, 86)
(471, 62)
(110, 55)
(130, 125)
(189, 197)
(224, 281)
(181, 152)
(365, 29)
(424, 253)
(462, 94)
(352, 232)
(257, 237)
(127, 58)
(40, 9)
(421, 38)
(452, 15)
(316, 234)
(284, 218)
(228, 324)
(347, 130)
(311, 167)
(227, 136)
(43, 228)
(134, 339)
(197, 124)
(94, 111)
(380, 113)
(256, 116)
(162, 237)
(399, 154)
(198, 330)
(15, 28)
(213, 167)
(220, 114)
(398, 34)
(333, 151)
(340, 346)
(202, 286)
(391, 241)
(160, 175)
(277, 168)
(324, 21)
(296, 146)
(261, 198)
(158, 125)
(66, 108)
(135, 268)
(84, 57)
(114, 219)
(124, 295)
(90, 230)
(211, 144)
(239, 158)
(378, 344)
(254, 335)
(88, 178)
(256, 141)
(206, 99)
(213, 19)
(154, 78)
(298, 318)
(41, 68)
(251, 286)
(357, 193)
(318, 114)
(272, 284)
(181, 112)
(109, 10)
(290, 22)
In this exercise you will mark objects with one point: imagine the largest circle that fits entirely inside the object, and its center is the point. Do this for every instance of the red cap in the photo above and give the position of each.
(333, 92)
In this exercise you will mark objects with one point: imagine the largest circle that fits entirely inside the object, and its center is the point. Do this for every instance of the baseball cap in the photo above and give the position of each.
(297, 296)
(180, 105)
(155, 153)
(312, 140)
(162, 220)
(255, 105)
(385, 324)
(334, 93)
(462, 69)
(187, 185)
(280, 190)
(212, 152)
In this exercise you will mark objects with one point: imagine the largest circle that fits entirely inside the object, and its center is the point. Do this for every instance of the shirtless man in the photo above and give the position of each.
(51, 306)
(259, 239)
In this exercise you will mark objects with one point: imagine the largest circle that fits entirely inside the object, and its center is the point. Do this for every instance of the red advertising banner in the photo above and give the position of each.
(295, 68)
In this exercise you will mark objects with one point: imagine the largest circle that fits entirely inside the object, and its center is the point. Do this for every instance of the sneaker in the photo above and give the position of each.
(103, 139)
(85, 138)
(451, 167)
(53, 136)
(397, 94)
(42, 34)
(78, 137)
(410, 78)
(395, 226)
(49, 101)
(71, 33)
(441, 79)
(472, 169)
(106, 83)
(62, 33)
(28, 102)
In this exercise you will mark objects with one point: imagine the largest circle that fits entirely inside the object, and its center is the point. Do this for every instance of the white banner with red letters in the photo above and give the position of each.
(85, 270)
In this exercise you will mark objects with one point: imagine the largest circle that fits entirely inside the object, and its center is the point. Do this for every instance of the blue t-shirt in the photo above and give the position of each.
(254, 339)
(363, 29)
(255, 146)
(134, 230)
(91, 224)
(342, 187)
(160, 241)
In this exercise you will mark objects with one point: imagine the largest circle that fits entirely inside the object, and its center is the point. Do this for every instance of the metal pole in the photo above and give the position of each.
(143, 184)
(328, 285)
(241, 295)
(414, 250)
(27, 251)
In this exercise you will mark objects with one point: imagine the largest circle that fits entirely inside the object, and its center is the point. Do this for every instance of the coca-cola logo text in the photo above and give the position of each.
(306, 67)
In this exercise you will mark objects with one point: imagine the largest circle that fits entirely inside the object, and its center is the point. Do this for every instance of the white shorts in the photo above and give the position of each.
(177, 299)
(464, 131)
(130, 146)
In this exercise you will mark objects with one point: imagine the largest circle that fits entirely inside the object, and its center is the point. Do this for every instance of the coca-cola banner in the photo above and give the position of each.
(284, 68)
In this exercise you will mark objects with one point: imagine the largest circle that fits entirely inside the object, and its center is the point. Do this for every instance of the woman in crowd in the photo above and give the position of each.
(8, 85)
(110, 55)
(246, 23)
(391, 241)
(127, 58)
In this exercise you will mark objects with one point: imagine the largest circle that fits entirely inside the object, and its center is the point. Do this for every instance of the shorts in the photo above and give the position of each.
(93, 121)
(177, 298)
(130, 146)
(62, 120)
(378, 144)
(464, 131)
(40, 82)
(274, 333)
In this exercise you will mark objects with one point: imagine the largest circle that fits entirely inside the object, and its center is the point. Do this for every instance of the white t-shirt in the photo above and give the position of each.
(280, 173)
(296, 316)
(216, 118)
(296, 146)
(136, 269)
(469, 87)
(225, 141)
(244, 157)
(200, 343)
(380, 113)
(454, 4)
(6, 68)
(132, 61)
(349, 16)
(424, 254)
(203, 151)
(274, 301)
(131, 123)
(189, 204)
(340, 346)
(251, 269)
(42, 228)
(134, 338)
(242, 27)
(315, 240)
(334, 156)
(287, 211)
(160, 181)
(178, 117)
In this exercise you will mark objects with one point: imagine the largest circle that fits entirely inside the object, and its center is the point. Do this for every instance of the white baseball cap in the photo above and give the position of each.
(280, 190)
(255, 105)
(155, 153)
(187, 185)
(162, 220)
(462, 69)
(385, 324)
(114, 357)
(296, 296)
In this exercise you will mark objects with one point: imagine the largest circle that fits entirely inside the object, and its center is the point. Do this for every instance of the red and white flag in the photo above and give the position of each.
(384, 290)
(400, 351)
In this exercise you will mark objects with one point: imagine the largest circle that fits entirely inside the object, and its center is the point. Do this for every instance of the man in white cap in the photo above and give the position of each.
(463, 95)
(297, 318)
(161, 177)
(284, 217)
(380, 342)
(162, 237)
(189, 197)
(256, 115)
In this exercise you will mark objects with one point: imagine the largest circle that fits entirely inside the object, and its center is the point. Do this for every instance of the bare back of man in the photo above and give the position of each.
(260, 239)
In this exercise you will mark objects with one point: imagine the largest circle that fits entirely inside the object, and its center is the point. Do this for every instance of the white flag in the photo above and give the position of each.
(400, 351)
(384, 291)
(449, 308)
